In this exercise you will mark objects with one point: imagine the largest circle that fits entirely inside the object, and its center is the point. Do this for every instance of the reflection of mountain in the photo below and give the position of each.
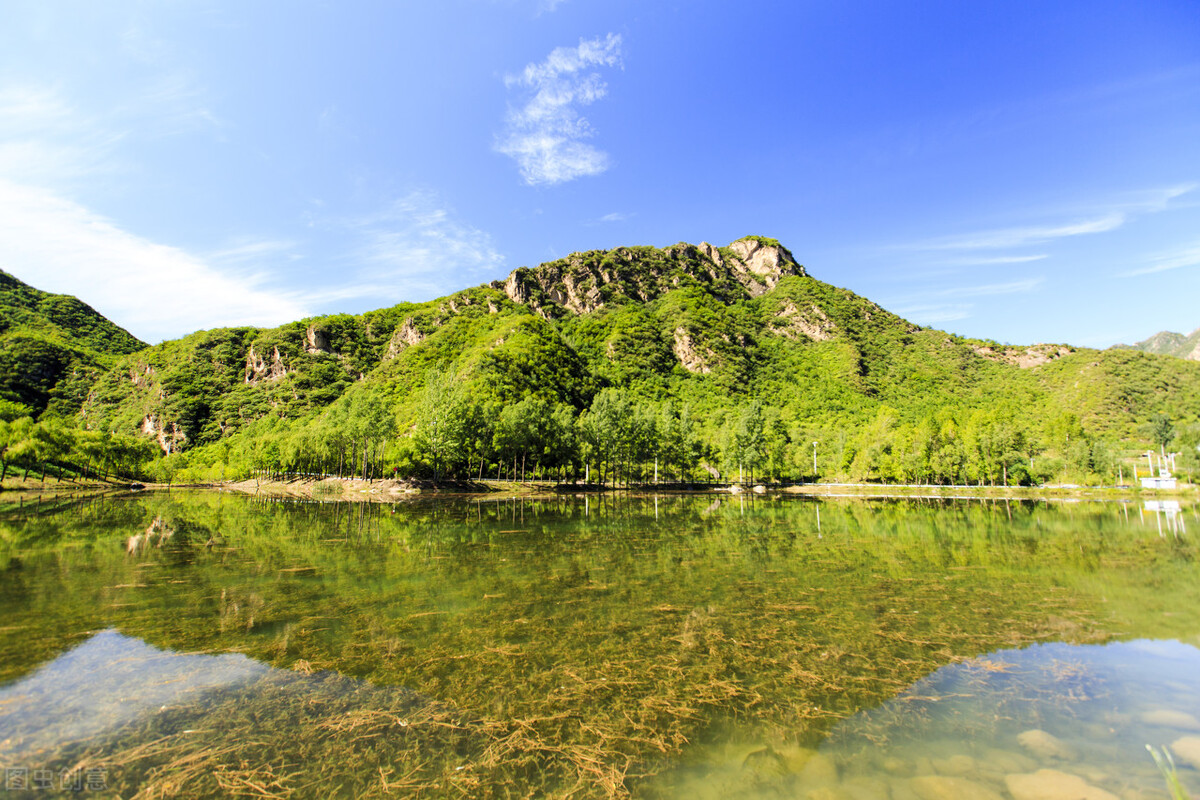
(105, 683)
(570, 625)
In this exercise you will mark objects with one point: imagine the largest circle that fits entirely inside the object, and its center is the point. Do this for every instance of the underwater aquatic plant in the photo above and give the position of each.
(1166, 765)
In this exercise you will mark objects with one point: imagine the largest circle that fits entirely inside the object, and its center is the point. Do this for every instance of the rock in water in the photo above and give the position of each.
(955, 765)
(1167, 718)
(943, 787)
(1050, 784)
(819, 771)
(1045, 745)
(1187, 750)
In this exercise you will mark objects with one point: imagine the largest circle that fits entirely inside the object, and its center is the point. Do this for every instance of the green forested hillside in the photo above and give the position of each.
(52, 348)
(692, 360)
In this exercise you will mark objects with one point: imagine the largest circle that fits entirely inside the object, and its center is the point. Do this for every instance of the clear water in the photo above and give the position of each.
(205, 644)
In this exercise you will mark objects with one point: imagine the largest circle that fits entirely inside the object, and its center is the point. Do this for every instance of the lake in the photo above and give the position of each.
(212, 644)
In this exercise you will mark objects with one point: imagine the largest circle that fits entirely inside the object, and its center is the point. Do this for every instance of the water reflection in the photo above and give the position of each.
(119, 716)
(1169, 510)
(103, 684)
(562, 645)
(1048, 721)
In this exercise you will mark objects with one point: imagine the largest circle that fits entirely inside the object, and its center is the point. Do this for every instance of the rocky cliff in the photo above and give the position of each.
(585, 282)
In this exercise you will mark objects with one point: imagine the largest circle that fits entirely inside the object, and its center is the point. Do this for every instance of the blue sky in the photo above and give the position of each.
(1020, 171)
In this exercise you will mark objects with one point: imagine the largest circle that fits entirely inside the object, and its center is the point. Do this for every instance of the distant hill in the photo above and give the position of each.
(1168, 343)
(712, 328)
(53, 347)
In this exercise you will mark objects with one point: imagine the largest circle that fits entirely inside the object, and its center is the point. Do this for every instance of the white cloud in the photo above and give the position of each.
(1176, 259)
(1018, 237)
(153, 290)
(417, 248)
(252, 250)
(1108, 217)
(546, 135)
(43, 139)
(616, 216)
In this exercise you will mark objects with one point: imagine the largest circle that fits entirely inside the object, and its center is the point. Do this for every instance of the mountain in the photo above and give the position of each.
(53, 347)
(710, 328)
(1168, 343)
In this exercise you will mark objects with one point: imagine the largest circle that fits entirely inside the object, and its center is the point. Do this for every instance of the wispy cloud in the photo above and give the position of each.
(985, 261)
(154, 290)
(919, 307)
(1109, 217)
(45, 140)
(990, 289)
(616, 216)
(548, 6)
(1162, 262)
(546, 135)
(1020, 237)
(417, 247)
(251, 250)
(929, 314)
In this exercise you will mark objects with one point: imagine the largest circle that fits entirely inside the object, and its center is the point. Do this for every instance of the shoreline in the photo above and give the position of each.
(391, 490)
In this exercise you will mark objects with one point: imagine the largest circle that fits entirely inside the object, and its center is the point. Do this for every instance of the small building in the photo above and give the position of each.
(1159, 482)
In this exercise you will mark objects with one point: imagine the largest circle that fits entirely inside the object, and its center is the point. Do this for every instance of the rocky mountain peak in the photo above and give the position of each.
(583, 282)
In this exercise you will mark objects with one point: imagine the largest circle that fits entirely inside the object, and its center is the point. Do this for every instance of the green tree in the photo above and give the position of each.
(1162, 430)
(442, 414)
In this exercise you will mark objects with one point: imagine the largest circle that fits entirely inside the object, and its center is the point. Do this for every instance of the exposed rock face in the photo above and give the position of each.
(685, 351)
(405, 336)
(1024, 357)
(168, 435)
(315, 341)
(580, 283)
(259, 368)
(767, 263)
(811, 323)
(712, 254)
(140, 375)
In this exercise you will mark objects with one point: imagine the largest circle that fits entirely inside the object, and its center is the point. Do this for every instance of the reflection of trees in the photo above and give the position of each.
(591, 607)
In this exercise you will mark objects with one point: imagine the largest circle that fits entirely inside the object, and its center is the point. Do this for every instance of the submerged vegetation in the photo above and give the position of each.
(545, 648)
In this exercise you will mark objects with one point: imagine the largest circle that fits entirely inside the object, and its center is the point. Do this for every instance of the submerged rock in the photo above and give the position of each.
(955, 765)
(1050, 784)
(864, 788)
(794, 758)
(897, 766)
(1045, 745)
(1168, 718)
(1187, 749)
(1008, 761)
(819, 771)
(946, 787)
(827, 793)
